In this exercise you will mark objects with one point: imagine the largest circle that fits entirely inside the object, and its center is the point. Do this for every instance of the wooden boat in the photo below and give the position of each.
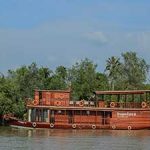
(104, 110)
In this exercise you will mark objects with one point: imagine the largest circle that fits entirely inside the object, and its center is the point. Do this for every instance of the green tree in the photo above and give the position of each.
(25, 79)
(59, 79)
(83, 79)
(44, 78)
(9, 98)
(5, 104)
(101, 82)
(5, 101)
(134, 71)
(112, 70)
(18, 85)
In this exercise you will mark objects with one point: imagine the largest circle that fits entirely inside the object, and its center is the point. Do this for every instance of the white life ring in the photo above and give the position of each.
(112, 104)
(58, 103)
(113, 127)
(74, 126)
(129, 128)
(35, 102)
(34, 124)
(93, 126)
(51, 125)
(144, 104)
(81, 103)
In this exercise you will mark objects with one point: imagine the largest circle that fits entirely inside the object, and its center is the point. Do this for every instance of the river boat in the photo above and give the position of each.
(115, 110)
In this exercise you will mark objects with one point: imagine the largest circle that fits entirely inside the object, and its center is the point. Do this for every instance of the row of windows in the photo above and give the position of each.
(42, 114)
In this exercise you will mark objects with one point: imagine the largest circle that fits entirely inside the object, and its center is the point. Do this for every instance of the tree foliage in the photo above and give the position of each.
(130, 73)
(113, 71)
(83, 78)
(59, 79)
(134, 71)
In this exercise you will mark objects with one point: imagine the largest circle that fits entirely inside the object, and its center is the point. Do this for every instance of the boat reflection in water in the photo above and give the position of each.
(49, 139)
(60, 133)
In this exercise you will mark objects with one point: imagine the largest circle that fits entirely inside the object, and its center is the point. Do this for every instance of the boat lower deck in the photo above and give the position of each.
(125, 119)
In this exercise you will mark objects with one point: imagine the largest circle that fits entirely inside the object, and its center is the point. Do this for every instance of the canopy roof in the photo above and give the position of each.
(121, 92)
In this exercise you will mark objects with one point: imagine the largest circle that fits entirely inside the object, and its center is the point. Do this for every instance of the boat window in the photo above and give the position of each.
(33, 114)
(45, 115)
(99, 113)
(85, 112)
(77, 112)
(39, 116)
(60, 112)
(93, 113)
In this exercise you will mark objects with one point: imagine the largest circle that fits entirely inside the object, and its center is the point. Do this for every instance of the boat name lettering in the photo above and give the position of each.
(126, 114)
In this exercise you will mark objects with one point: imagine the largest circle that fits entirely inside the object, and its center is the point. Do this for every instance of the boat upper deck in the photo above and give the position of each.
(131, 99)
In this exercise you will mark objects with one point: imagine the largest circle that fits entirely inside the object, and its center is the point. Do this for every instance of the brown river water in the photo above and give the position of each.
(44, 139)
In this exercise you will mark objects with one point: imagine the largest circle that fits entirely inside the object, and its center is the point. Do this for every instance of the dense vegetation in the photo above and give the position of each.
(127, 72)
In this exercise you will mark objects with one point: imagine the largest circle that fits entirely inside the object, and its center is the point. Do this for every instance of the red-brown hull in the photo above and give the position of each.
(119, 126)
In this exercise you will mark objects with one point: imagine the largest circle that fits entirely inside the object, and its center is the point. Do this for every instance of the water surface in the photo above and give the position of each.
(56, 139)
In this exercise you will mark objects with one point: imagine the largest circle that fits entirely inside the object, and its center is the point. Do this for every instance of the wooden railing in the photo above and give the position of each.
(129, 105)
(83, 103)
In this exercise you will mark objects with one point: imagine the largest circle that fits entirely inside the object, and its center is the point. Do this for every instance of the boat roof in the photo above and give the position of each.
(119, 92)
(60, 91)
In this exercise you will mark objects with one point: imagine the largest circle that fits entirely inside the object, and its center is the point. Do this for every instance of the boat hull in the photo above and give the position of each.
(119, 126)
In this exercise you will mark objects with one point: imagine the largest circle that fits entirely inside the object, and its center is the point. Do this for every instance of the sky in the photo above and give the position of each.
(62, 32)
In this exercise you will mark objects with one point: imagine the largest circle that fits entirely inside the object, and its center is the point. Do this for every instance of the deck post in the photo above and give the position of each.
(125, 104)
(48, 115)
(118, 98)
(146, 96)
(29, 115)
